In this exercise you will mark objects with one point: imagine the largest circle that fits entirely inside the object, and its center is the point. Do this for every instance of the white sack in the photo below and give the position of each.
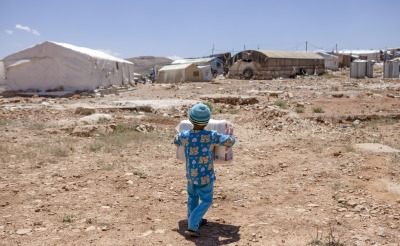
(222, 154)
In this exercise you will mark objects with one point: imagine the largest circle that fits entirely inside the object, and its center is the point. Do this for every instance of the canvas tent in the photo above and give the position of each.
(217, 65)
(179, 73)
(207, 73)
(331, 62)
(52, 65)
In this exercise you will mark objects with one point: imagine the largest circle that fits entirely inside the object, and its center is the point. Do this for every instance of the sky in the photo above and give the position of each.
(178, 28)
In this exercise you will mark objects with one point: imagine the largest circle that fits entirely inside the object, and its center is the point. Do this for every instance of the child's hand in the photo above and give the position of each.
(176, 140)
(229, 130)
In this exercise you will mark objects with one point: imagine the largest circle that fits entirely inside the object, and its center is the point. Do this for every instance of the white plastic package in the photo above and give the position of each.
(222, 154)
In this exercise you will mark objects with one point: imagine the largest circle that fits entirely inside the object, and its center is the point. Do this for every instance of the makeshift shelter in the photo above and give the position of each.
(269, 64)
(331, 62)
(344, 59)
(367, 55)
(179, 73)
(51, 65)
(224, 57)
(393, 53)
(216, 64)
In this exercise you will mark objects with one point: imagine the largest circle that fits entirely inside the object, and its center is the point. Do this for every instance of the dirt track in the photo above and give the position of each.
(297, 174)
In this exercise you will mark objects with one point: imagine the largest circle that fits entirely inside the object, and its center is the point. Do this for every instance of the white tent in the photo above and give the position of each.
(369, 55)
(331, 62)
(52, 65)
(207, 73)
(216, 64)
(179, 73)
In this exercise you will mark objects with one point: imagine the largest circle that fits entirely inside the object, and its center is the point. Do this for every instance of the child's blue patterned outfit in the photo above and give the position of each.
(199, 147)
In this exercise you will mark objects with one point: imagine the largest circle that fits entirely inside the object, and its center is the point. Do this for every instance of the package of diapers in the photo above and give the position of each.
(222, 154)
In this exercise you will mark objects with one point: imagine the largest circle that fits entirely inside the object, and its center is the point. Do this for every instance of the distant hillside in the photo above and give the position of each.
(143, 64)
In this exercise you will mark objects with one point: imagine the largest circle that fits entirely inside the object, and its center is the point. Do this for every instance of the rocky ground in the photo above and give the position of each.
(317, 161)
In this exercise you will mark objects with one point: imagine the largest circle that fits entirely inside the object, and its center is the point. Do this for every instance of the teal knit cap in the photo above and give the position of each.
(199, 114)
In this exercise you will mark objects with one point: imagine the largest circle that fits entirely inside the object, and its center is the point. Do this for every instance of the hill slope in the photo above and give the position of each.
(143, 64)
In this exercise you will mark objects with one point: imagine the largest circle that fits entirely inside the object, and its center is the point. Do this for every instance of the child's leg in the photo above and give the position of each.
(193, 198)
(205, 193)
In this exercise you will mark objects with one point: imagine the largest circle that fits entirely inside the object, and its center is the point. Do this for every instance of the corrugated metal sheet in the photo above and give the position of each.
(288, 54)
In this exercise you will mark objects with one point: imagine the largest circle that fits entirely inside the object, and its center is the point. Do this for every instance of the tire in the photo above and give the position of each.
(248, 73)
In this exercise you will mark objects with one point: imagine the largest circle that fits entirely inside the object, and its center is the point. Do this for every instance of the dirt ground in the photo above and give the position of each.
(316, 161)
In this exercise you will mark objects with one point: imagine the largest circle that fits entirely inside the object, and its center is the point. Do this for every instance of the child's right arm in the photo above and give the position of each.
(177, 140)
(224, 140)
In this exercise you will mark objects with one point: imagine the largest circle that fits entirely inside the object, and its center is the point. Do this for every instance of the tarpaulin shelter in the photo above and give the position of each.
(269, 64)
(344, 59)
(179, 73)
(52, 65)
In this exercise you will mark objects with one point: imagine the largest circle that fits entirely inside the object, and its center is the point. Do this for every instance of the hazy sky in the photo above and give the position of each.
(128, 28)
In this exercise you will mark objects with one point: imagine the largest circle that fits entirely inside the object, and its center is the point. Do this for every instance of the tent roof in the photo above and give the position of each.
(357, 52)
(324, 54)
(196, 60)
(176, 67)
(287, 54)
(82, 50)
(92, 53)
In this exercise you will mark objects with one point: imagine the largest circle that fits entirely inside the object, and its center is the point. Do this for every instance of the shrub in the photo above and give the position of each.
(95, 147)
(299, 110)
(67, 218)
(281, 104)
(330, 240)
(37, 126)
(318, 110)
(59, 151)
(210, 105)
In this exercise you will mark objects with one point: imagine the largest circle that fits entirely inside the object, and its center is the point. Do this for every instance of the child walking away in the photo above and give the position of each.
(199, 144)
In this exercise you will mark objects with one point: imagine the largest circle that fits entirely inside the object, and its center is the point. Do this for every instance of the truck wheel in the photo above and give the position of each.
(248, 73)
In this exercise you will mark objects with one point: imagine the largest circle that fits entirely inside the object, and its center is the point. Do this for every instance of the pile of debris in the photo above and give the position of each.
(277, 119)
(232, 100)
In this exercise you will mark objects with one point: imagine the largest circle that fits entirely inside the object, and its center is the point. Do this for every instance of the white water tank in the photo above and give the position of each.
(361, 69)
(391, 69)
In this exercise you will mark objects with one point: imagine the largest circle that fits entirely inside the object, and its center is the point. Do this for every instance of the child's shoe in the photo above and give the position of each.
(203, 222)
(192, 233)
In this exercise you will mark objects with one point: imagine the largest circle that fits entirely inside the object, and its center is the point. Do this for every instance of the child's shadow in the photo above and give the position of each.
(213, 233)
